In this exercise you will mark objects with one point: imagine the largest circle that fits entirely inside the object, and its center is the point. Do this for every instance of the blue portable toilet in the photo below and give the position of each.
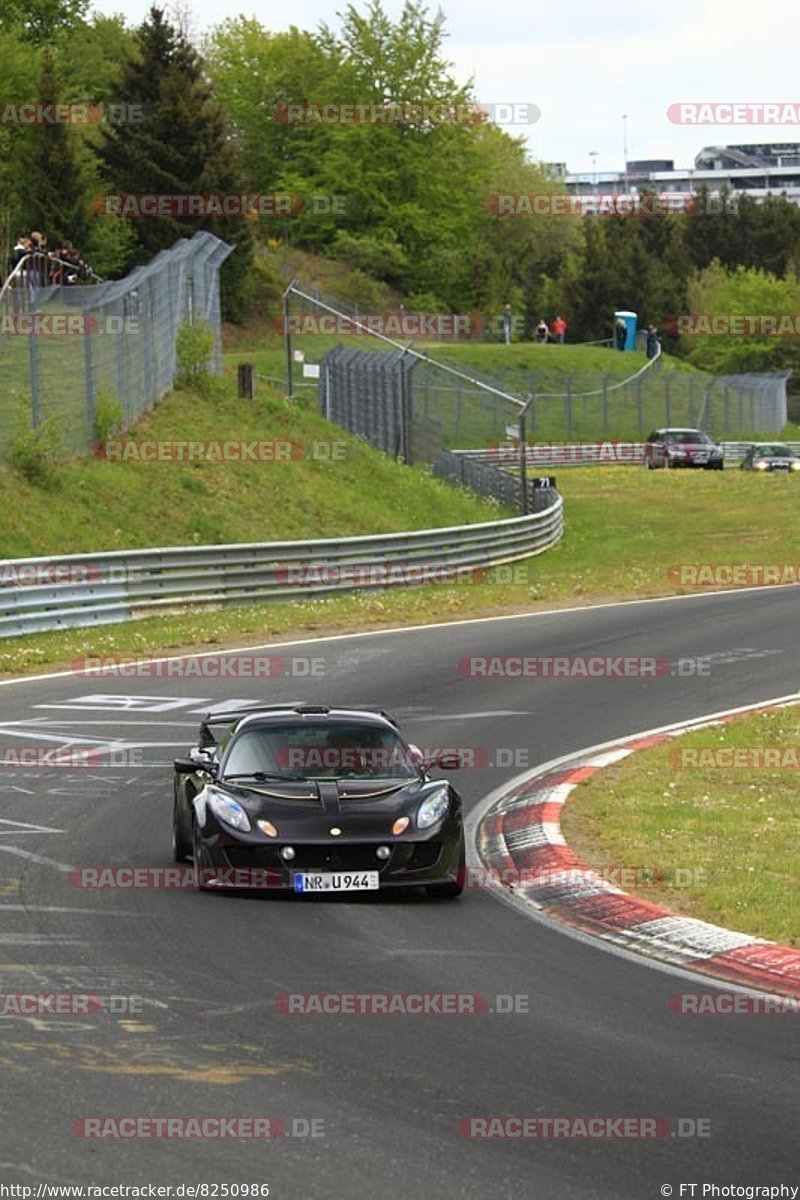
(630, 319)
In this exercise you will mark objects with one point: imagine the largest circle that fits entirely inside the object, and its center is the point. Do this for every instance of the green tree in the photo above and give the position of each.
(20, 68)
(52, 185)
(750, 293)
(42, 21)
(181, 148)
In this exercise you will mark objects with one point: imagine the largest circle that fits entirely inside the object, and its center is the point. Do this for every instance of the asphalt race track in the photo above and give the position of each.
(386, 1092)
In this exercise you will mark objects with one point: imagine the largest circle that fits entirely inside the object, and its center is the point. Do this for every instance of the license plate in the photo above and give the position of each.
(336, 881)
(780, 466)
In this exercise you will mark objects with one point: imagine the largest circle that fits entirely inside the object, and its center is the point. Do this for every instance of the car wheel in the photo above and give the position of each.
(719, 466)
(199, 863)
(454, 887)
(181, 849)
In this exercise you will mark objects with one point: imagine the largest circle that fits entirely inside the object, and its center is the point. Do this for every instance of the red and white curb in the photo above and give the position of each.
(520, 842)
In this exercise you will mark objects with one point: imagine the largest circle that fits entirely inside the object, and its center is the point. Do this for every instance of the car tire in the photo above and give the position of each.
(197, 855)
(454, 887)
(181, 849)
(719, 466)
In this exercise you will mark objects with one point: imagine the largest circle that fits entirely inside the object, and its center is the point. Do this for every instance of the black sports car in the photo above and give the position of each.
(770, 456)
(316, 800)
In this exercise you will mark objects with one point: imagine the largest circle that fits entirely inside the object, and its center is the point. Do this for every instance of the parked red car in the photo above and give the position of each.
(682, 448)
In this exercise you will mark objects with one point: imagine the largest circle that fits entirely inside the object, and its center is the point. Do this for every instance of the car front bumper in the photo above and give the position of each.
(227, 862)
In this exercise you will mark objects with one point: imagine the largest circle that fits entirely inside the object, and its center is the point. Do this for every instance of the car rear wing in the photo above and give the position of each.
(223, 718)
(219, 722)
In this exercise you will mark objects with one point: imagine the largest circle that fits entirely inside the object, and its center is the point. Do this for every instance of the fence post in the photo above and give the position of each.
(287, 338)
(246, 379)
(406, 413)
(667, 401)
(568, 405)
(121, 346)
(36, 395)
(89, 378)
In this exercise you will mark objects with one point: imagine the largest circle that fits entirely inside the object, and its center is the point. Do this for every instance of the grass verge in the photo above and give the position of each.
(722, 840)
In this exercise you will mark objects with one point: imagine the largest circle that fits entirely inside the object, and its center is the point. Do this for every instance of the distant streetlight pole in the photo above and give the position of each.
(593, 157)
(625, 146)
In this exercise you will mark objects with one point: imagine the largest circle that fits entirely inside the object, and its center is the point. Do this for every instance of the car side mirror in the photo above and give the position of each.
(190, 766)
(417, 757)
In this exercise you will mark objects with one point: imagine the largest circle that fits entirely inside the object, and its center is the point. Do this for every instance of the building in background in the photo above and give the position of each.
(754, 170)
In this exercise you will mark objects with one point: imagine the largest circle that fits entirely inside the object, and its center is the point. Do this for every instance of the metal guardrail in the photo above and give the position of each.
(32, 271)
(590, 454)
(97, 589)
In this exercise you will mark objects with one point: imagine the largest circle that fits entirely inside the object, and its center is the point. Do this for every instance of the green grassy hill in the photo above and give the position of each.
(99, 505)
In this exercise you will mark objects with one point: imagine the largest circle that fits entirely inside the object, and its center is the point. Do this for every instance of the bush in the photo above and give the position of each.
(34, 454)
(262, 290)
(108, 416)
(381, 256)
(194, 349)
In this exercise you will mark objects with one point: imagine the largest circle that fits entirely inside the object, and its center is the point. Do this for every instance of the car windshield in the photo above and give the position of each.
(325, 751)
(775, 451)
(687, 437)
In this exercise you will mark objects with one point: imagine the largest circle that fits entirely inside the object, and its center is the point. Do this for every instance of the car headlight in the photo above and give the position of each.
(795, 466)
(762, 466)
(433, 808)
(229, 811)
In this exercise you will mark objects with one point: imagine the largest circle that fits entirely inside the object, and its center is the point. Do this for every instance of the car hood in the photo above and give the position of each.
(307, 809)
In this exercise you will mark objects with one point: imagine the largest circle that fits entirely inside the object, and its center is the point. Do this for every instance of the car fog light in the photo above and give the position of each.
(383, 852)
(287, 853)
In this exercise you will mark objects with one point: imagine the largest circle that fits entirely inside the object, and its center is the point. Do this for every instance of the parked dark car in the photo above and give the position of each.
(770, 456)
(314, 799)
(682, 448)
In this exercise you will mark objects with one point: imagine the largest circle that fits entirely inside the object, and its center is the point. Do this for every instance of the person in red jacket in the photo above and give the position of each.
(559, 329)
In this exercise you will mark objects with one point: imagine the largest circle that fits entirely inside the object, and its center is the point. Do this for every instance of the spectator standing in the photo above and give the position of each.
(22, 248)
(542, 332)
(621, 334)
(36, 269)
(559, 329)
(508, 320)
(652, 341)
